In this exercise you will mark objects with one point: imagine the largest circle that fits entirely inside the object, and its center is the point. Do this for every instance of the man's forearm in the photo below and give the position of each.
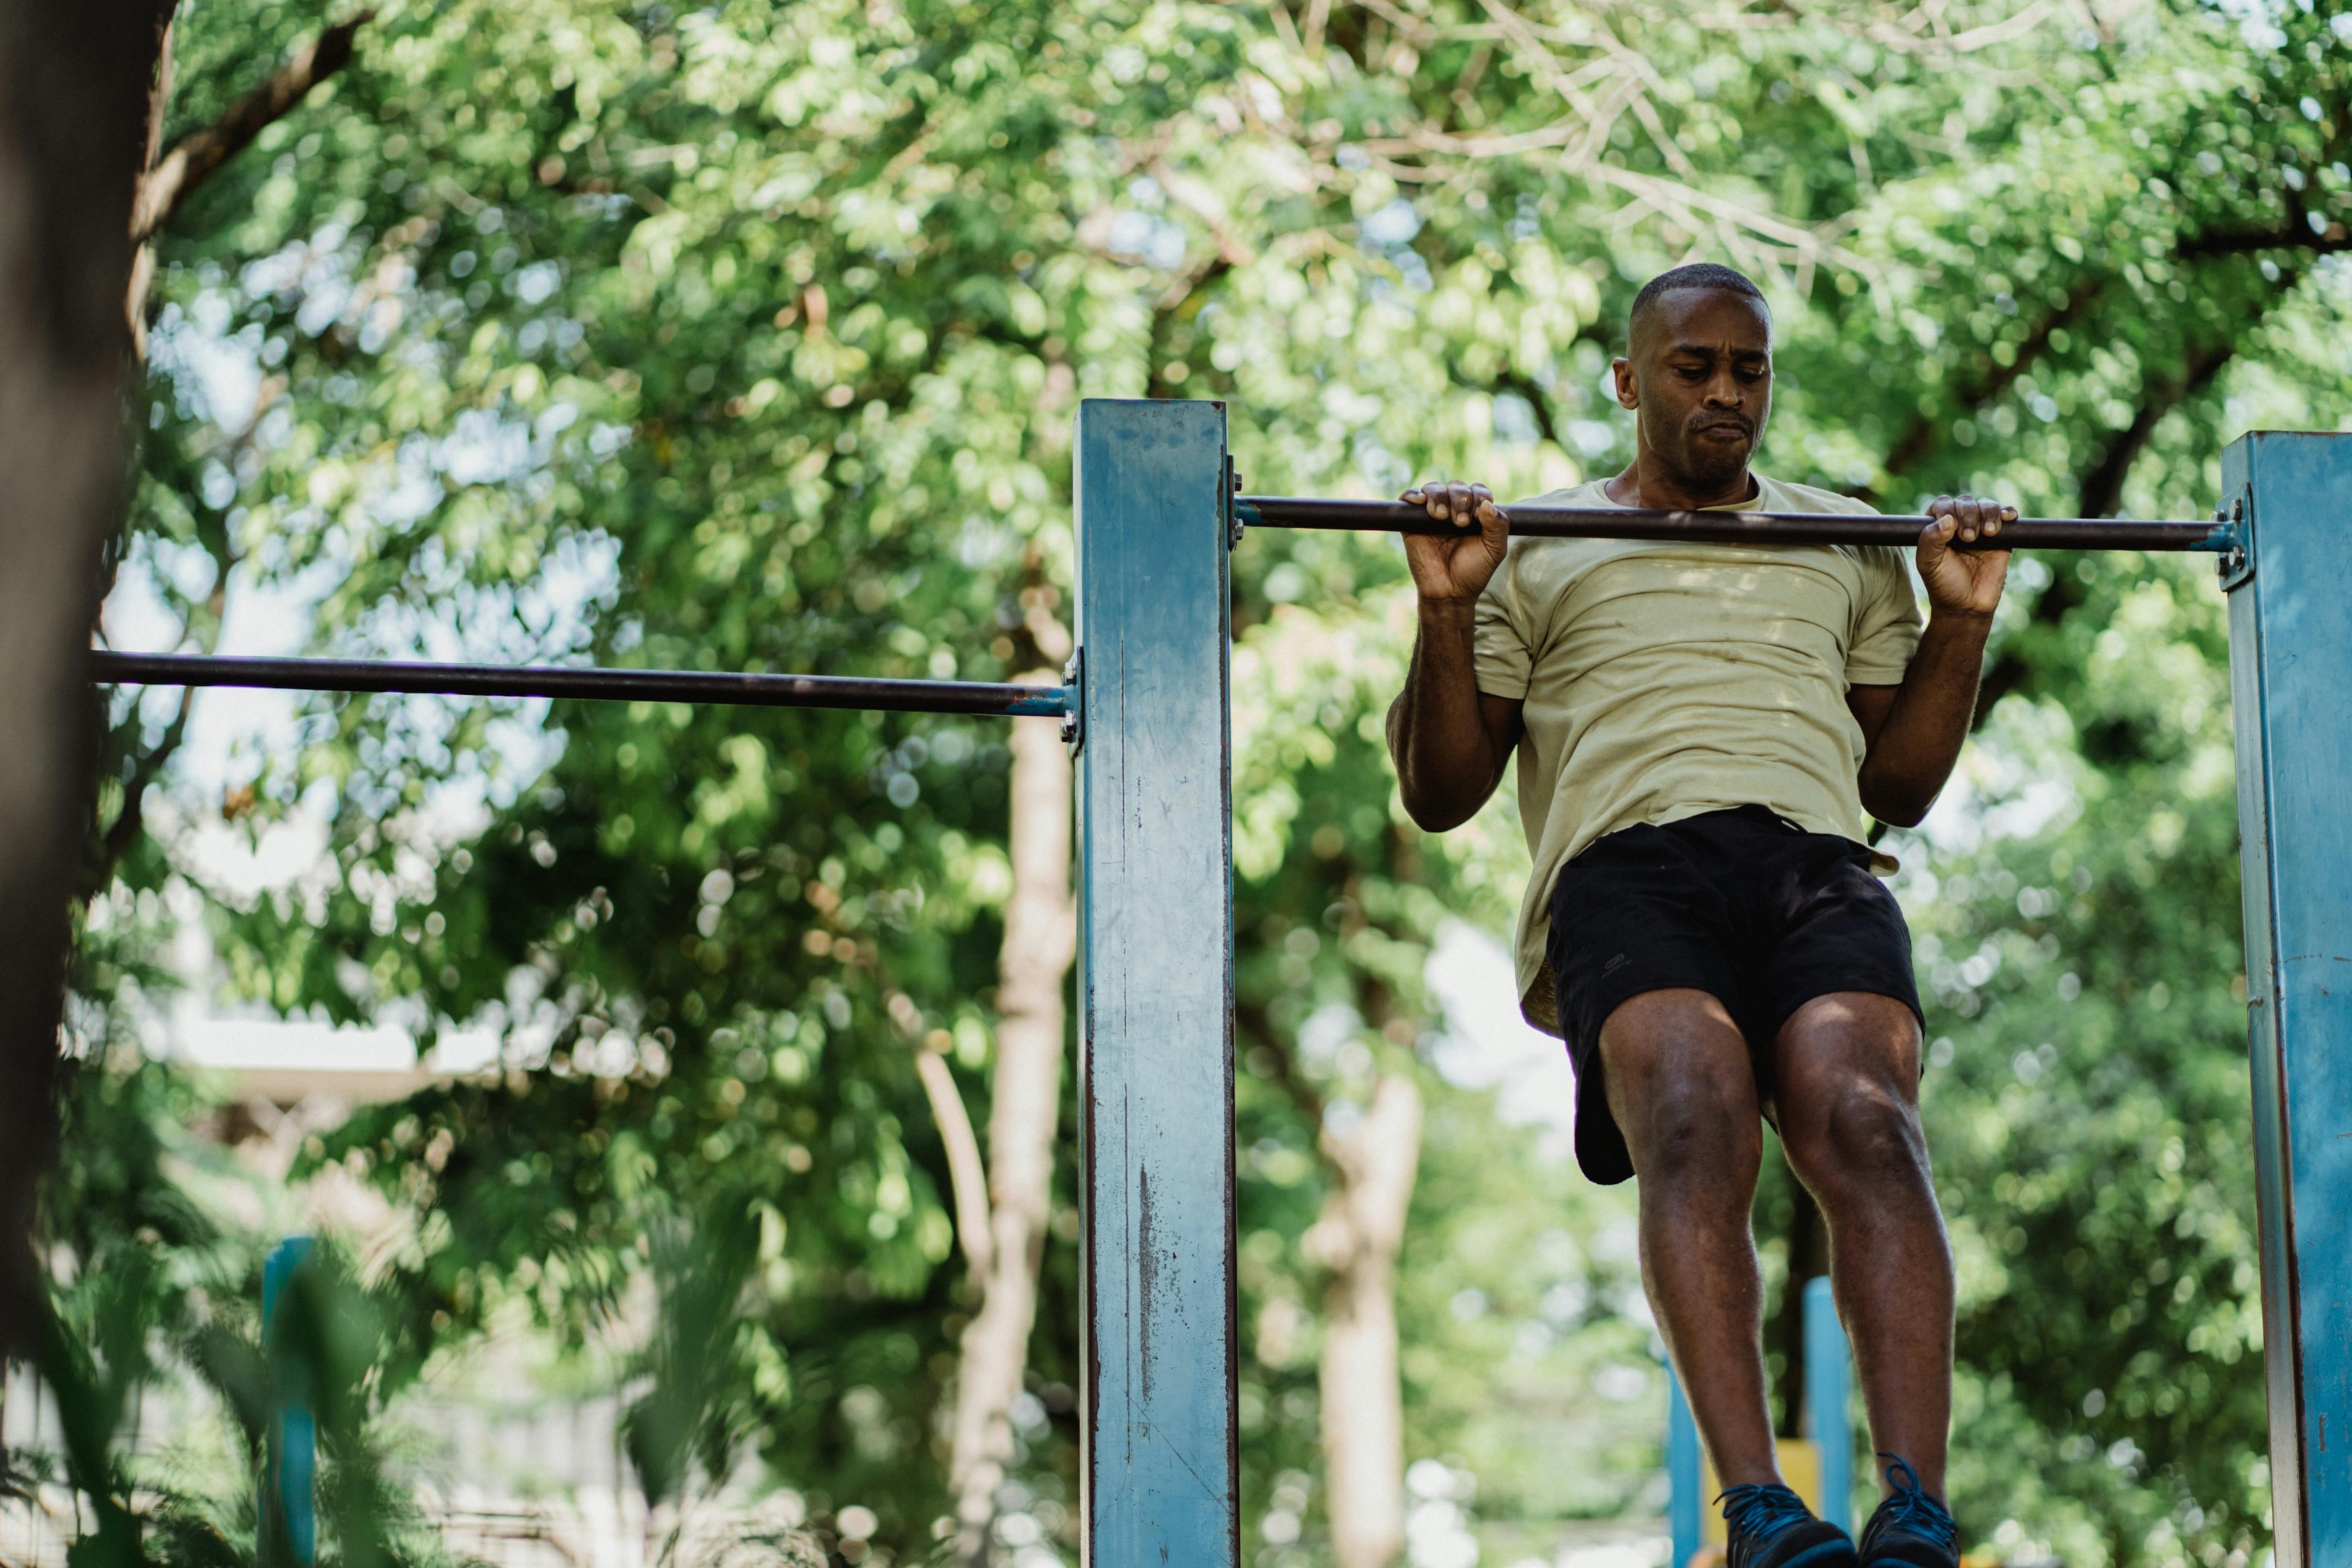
(1437, 731)
(1914, 750)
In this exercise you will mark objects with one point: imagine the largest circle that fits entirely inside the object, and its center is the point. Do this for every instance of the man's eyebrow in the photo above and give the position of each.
(1708, 351)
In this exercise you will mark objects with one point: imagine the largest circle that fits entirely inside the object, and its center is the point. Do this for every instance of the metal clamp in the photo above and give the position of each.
(1233, 512)
(2233, 542)
(1072, 701)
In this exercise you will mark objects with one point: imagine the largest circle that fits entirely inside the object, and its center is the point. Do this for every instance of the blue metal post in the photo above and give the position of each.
(1828, 1384)
(1683, 1503)
(289, 1492)
(2290, 675)
(1160, 1474)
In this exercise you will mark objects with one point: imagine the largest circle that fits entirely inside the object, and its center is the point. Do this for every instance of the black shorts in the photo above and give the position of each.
(1742, 904)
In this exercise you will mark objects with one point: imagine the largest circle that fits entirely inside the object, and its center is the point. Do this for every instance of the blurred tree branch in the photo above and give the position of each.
(132, 819)
(1535, 398)
(194, 157)
(966, 1172)
(170, 179)
(2297, 235)
(1922, 436)
(2100, 492)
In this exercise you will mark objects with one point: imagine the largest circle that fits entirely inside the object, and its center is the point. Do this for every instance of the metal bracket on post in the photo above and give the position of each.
(1158, 1469)
(2290, 662)
(1074, 694)
(2233, 543)
(1233, 512)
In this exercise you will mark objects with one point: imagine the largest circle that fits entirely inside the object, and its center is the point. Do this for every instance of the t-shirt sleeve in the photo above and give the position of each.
(1499, 640)
(1886, 632)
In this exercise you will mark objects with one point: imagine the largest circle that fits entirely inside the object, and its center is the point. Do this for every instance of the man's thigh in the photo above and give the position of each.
(1634, 916)
(1676, 1068)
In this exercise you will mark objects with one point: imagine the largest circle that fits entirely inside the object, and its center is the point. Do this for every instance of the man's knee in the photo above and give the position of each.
(1694, 1125)
(1847, 1071)
(1681, 1086)
(1855, 1128)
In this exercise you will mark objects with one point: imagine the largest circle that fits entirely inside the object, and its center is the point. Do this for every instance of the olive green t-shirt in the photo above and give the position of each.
(1661, 680)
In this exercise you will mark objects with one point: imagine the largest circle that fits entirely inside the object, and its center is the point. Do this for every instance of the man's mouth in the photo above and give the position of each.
(1725, 428)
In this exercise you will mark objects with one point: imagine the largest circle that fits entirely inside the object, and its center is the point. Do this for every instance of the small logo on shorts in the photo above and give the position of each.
(1614, 965)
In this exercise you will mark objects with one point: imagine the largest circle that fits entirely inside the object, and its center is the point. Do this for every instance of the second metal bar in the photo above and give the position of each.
(1533, 521)
(741, 690)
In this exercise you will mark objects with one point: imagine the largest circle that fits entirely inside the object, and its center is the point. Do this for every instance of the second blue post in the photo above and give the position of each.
(1160, 1473)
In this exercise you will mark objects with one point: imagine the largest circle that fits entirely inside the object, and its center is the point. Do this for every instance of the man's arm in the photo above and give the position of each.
(1450, 739)
(1914, 731)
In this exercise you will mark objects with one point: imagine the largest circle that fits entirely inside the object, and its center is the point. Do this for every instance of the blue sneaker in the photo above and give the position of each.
(1910, 1530)
(1771, 1526)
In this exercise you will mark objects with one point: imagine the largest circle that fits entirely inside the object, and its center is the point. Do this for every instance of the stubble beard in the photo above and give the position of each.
(1704, 467)
(1711, 468)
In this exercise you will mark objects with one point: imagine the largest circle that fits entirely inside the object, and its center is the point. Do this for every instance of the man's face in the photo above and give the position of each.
(1698, 375)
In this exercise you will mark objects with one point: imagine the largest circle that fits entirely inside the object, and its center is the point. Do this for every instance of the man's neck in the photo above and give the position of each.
(1645, 483)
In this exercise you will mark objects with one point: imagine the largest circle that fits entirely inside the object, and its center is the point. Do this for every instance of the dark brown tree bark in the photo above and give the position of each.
(73, 138)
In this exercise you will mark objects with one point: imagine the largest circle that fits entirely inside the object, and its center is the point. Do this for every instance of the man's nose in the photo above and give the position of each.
(1725, 392)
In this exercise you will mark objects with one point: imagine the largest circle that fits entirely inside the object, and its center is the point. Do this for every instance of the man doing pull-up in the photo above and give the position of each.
(1699, 730)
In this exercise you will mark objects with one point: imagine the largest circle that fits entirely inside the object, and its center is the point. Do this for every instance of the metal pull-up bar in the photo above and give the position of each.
(1532, 521)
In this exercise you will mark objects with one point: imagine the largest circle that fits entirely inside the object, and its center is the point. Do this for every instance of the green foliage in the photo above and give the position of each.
(152, 1293)
(689, 1416)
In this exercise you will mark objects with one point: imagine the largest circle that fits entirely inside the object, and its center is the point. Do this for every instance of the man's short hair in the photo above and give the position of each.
(1697, 275)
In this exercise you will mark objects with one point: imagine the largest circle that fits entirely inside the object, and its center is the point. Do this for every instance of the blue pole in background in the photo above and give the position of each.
(1682, 1501)
(1828, 1383)
(289, 1492)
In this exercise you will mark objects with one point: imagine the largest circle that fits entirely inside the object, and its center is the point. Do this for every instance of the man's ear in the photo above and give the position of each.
(1629, 391)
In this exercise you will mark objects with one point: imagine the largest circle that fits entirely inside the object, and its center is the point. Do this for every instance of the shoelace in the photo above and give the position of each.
(1911, 1508)
(1762, 1510)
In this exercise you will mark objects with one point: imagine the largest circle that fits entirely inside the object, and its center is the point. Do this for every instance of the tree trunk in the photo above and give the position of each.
(74, 83)
(1040, 940)
(1356, 1237)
